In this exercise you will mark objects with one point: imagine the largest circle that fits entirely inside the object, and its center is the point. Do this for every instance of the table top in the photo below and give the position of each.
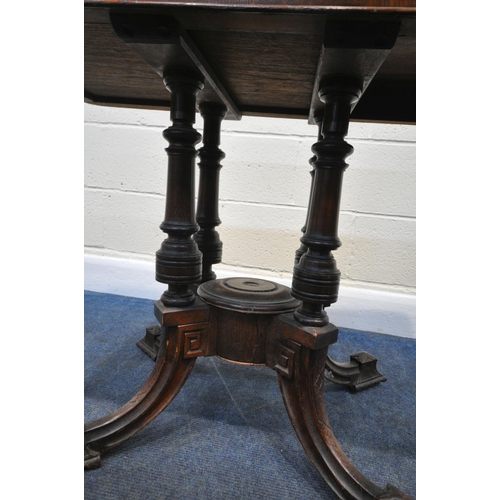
(265, 54)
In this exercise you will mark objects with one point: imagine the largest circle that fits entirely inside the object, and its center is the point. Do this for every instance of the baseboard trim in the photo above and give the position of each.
(357, 308)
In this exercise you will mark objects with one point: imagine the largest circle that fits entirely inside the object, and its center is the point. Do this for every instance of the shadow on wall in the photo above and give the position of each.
(361, 257)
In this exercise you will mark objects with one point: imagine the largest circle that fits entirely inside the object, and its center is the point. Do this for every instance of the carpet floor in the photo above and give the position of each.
(227, 434)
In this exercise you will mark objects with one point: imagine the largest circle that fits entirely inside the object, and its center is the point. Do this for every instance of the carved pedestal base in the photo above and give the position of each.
(248, 321)
(358, 374)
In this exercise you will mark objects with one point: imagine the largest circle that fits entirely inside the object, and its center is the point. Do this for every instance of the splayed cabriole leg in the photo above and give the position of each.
(182, 316)
(301, 378)
(172, 368)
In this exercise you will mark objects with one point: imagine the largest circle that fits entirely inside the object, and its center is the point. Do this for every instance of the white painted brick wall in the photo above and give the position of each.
(265, 184)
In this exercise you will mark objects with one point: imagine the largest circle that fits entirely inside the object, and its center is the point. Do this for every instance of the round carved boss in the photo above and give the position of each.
(249, 295)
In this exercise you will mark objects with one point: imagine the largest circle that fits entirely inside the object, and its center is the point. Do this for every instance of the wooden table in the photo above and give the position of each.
(325, 62)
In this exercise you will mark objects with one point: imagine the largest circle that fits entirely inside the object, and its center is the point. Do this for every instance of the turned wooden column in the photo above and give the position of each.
(318, 119)
(207, 214)
(316, 277)
(178, 262)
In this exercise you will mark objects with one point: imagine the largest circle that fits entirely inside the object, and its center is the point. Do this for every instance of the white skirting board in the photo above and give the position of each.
(357, 308)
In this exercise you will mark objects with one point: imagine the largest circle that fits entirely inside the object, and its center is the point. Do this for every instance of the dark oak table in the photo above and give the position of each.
(325, 62)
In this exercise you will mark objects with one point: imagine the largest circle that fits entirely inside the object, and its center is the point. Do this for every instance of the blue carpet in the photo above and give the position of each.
(227, 434)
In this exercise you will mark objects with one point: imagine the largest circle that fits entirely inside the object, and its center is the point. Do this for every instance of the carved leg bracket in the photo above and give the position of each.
(358, 374)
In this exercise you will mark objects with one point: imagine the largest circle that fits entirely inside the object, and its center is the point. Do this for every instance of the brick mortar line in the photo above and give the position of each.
(243, 133)
(256, 204)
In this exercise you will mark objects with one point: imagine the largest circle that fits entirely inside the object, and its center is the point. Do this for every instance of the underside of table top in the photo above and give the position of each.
(265, 54)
